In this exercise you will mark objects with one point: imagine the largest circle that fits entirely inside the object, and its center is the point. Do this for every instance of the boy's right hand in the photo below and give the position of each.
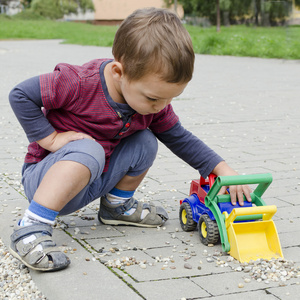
(55, 140)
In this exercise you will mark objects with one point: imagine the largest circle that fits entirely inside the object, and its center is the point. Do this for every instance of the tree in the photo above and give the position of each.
(218, 16)
(239, 11)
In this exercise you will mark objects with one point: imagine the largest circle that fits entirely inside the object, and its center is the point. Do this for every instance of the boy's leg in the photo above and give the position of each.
(128, 166)
(65, 175)
(52, 183)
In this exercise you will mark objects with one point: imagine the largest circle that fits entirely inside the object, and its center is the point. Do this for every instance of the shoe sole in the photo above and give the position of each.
(16, 255)
(120, 222)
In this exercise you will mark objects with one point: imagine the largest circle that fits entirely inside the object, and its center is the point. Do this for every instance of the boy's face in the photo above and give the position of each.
(150, 94)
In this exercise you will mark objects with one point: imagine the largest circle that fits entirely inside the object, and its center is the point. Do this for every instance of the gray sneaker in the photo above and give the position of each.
(114, 214)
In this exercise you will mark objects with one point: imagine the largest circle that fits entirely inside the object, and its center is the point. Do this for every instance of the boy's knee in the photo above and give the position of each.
(143, 147)
(89, 153)
(149, 143)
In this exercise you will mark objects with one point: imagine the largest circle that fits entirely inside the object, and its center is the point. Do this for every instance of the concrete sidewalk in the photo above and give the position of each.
(246, 109)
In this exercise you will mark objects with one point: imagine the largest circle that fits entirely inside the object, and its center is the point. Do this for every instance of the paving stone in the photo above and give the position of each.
(287, 292)
(228, 283)
(170, 289)
(261, 295)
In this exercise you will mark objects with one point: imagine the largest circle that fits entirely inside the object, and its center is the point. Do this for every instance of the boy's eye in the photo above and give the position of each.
(151, 99)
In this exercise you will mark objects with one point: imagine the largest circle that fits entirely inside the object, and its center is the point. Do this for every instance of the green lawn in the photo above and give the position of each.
(70, 32)
(273, 42)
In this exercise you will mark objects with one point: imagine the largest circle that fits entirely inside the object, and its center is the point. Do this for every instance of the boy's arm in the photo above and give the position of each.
(198, 155)
(190, 149)
(26, 102)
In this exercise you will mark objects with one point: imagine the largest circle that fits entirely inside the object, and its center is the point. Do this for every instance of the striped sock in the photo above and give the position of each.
(116, 196)
(38, 213)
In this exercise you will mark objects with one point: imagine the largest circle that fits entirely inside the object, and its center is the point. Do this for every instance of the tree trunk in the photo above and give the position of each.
(218, 16)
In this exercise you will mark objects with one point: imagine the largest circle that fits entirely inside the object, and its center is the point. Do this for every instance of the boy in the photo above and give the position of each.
(96, 136)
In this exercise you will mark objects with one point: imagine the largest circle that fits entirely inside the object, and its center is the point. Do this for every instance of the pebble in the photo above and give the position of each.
(188, 266)
(261, 270)
(22, 286)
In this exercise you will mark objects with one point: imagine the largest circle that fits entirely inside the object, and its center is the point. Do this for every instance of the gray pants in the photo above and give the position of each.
(133, 156)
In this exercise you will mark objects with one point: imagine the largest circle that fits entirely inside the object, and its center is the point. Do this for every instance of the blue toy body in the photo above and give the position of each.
(199, 208)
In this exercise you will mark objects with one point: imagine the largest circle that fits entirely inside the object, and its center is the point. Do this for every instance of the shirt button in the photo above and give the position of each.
(127, 125)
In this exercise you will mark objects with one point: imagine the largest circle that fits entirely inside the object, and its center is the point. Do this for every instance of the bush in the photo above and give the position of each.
(53, 9)
(56, 9)
(28, 14)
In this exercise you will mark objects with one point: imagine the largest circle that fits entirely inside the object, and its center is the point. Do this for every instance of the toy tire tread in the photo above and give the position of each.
(212, 229)
(189, 224)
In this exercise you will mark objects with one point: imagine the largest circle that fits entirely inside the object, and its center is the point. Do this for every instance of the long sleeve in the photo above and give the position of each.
(26, 102)
(190, 148)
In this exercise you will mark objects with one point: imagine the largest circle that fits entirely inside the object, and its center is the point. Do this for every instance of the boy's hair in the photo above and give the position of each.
(153, 41)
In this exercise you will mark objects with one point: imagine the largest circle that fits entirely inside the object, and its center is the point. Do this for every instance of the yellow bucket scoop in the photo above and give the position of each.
(253, 239)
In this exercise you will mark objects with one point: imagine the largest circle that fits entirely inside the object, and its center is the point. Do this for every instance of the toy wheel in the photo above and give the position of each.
(186, 217)
(208, 230)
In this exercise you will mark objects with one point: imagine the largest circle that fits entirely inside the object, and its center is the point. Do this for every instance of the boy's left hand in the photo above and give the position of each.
(237, 192)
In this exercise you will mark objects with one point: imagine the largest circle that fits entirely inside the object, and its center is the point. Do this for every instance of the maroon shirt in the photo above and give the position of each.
(76, 98)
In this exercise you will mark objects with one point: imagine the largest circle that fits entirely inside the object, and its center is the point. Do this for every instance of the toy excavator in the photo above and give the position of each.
(246, 232)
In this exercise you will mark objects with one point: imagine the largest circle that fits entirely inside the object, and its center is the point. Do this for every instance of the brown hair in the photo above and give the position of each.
(154, 41)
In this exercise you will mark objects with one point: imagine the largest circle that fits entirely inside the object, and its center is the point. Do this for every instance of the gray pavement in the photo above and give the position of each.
(246, 109)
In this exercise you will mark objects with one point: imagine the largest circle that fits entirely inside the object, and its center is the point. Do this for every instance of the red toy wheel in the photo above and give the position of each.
(186, 217)
(208, 230)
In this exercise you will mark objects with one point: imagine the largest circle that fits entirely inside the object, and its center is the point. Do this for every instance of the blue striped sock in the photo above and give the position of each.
(38, 213)
(116, 196)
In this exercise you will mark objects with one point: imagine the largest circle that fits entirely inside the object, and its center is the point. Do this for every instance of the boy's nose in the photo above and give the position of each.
(161, 105)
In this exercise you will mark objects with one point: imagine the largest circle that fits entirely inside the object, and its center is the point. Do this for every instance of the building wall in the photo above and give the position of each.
(120, 9)
(115, 11)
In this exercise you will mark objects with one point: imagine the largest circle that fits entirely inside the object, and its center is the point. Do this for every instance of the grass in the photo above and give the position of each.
(70, 32)
(265, 42)
(271, 42)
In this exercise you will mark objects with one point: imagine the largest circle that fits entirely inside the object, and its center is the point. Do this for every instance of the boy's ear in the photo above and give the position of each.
(117, 70)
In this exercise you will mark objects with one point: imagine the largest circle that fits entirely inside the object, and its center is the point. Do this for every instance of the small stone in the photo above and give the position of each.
(240, 285)
(187, 266)
(76, 230)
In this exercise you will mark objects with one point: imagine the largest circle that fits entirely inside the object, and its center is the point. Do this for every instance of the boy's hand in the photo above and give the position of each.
(237, 192)
(55, 140)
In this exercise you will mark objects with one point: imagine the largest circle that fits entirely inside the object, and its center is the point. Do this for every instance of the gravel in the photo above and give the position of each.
(15, 279)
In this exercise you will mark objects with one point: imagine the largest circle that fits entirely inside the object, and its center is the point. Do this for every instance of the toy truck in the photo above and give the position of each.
(246, 232)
